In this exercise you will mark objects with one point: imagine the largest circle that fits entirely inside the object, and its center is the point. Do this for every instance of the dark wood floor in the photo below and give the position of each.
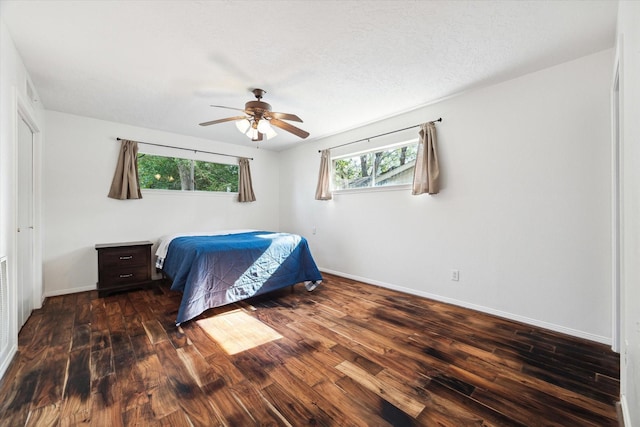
(351, 355)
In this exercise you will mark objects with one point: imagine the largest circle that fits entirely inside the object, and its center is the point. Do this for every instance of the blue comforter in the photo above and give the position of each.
(212, 271)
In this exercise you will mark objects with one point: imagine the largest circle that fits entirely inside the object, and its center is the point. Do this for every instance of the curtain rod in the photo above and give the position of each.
(187, 149)
(381, 134)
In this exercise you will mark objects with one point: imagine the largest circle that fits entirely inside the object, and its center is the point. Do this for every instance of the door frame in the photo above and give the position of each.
(617, 204)
(24, 111)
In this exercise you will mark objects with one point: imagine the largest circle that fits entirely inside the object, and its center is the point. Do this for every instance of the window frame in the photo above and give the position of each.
(414, 141)
(165, 191)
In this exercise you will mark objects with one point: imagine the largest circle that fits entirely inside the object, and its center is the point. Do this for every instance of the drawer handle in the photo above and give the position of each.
(126, 257)
(124, 276)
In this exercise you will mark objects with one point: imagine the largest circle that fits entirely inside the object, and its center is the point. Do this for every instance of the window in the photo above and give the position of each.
(376, 168)
(172, 173)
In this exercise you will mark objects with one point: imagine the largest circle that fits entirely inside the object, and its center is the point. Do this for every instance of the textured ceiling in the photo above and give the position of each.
(336, 64)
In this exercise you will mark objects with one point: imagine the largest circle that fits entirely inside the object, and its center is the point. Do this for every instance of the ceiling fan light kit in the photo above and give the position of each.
(243, 125)
(265, 128)
(260, 119)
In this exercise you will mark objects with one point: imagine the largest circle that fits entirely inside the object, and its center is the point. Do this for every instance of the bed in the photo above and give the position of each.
(215, 269)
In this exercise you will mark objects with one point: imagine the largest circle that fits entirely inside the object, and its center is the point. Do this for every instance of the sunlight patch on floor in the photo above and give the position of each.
(237, 331)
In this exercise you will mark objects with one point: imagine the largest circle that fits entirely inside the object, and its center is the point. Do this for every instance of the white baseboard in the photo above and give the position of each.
(58, 292)
(488, 310)
(5, 363)
(626, 416)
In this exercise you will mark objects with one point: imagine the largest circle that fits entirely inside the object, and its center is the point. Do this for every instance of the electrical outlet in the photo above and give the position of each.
(455, 275)
(313, 230)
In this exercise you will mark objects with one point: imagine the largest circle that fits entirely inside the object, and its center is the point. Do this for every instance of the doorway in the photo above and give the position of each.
(616, 211)
(26, 219)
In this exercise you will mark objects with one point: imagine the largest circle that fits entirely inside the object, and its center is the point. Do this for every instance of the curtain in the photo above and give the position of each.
(245, 191)
(323, 191)
(125, 184)
(426, 175)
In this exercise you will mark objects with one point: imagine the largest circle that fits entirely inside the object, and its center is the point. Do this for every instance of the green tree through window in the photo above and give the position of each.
(172, 173)
(376, 168)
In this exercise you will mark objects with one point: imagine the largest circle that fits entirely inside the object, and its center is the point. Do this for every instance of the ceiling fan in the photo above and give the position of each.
(259, 119)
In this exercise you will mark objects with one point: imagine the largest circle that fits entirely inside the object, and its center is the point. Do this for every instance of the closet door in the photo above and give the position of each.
(25, 236)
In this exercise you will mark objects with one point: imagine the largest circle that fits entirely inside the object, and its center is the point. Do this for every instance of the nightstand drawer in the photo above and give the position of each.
(125, 256)
(124, 275)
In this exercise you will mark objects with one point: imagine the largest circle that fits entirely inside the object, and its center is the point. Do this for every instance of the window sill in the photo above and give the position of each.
(188, 193)
(373, 189)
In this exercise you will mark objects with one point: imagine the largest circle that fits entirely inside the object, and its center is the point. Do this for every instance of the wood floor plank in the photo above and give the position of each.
(253, 401)
(322, 362)
(77, 389)
(155, 331)
(302, 329)
(100, 339)
(526, 401)
(162, 400)
(226, 406)
(52, 378)
(564, 395)
(126, 306)
(373, 403)
(349, 354)
(99, 319)
(83, 313)
(293, 410)
(188, 394)
(444, 400)
(121, 345)
(30, 327)
(174, 419)
(44, 416)
(405, 403)
(197, 366)
(142, 347)
(357, 413)
(101, 363)
(357, 359)
(553, 376)
(309, 397)
(298, 363)
(81, 336)
(106, 409)
(226, 369)
(560, 405)
(151, 371)
(133, 323)
(142, 416)
(255, 366)
(17, 401)
(175, 333)
(203, 342)
(130, 379)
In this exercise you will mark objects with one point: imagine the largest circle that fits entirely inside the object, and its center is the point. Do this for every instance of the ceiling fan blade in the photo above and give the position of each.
(284, 116)
(289, 128)
(228, 108)
(228, 119)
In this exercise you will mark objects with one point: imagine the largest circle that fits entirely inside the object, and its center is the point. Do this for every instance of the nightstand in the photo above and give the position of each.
(123, 266)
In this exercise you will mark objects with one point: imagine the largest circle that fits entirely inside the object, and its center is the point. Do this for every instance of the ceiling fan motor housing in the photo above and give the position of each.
(258, 107)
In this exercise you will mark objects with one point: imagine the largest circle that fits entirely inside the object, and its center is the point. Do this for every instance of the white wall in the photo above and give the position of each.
(524, 212)
(80, 159)
(13, 83)
(629, 57)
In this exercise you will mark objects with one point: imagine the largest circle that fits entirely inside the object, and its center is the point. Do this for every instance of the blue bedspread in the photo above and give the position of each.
(216, 270)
